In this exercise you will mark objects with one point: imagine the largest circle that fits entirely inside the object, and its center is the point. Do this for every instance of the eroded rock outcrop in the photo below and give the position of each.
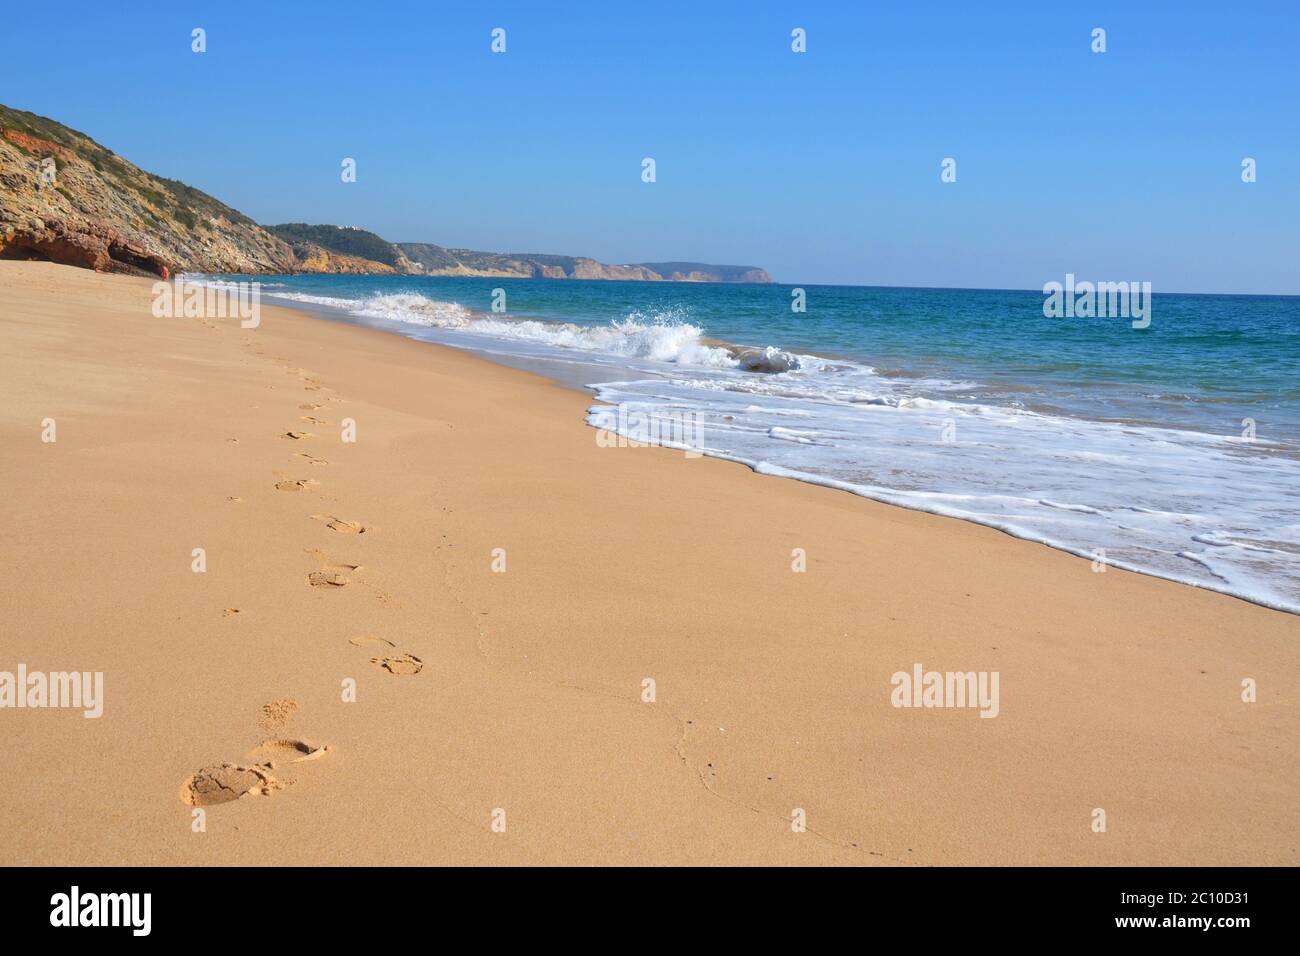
(91, 245)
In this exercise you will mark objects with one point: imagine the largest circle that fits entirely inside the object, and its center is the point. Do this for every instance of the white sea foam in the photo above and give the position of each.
(1192, 507)
(659, 338)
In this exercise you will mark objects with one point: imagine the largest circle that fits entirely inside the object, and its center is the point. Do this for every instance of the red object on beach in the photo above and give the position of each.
(165, 273)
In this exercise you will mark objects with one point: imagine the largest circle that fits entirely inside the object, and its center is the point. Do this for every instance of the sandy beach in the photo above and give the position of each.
(498, 589)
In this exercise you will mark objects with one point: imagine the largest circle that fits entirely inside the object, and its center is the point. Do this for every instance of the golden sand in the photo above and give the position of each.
(647, 681)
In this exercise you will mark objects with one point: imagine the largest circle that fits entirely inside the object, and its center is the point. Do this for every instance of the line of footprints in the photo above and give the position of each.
(272, 764)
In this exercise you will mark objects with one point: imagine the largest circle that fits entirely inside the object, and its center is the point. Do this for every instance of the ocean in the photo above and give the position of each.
(1173, 450)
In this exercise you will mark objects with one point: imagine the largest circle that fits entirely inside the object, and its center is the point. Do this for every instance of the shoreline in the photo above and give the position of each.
(895, 497)
(1119, 690)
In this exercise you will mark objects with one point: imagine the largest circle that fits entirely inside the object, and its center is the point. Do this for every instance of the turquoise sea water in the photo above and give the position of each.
(1173, 449)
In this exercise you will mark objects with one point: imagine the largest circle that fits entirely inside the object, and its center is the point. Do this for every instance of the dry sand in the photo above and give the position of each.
(522, 691)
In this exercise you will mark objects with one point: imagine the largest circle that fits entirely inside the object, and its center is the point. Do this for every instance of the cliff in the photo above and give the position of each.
(66, 198)
(437, 260)
(348, 249)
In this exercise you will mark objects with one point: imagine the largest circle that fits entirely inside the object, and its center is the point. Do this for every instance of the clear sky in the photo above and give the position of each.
(821, 167)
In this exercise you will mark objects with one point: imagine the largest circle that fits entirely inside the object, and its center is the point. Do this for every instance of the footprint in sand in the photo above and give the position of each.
(277, 712)
(332, 575)
(342, 526)
(399, 663)
(310, 459)
(278, 751)
(311, 406)
(314, 421)
(222, 783)
(395, 663)
(328, 579)
(367, 640)
(226, 782)
(297, 484)
(297, 436)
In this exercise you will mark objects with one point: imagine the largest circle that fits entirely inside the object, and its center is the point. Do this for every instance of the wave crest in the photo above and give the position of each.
(663, 336)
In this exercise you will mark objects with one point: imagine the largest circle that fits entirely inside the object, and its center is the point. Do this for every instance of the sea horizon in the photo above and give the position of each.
(775, 282)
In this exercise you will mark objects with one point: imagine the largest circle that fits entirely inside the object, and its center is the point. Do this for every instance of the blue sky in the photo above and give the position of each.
(821, 167)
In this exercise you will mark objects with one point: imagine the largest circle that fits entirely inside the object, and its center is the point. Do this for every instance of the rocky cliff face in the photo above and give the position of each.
(66, 198)
(349, 244)
(437, 260)
(702, 272)
(309, 257)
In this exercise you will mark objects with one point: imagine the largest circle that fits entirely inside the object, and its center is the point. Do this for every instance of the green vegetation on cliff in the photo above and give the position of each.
(345, 240)
(103, 212)
(187, 204)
